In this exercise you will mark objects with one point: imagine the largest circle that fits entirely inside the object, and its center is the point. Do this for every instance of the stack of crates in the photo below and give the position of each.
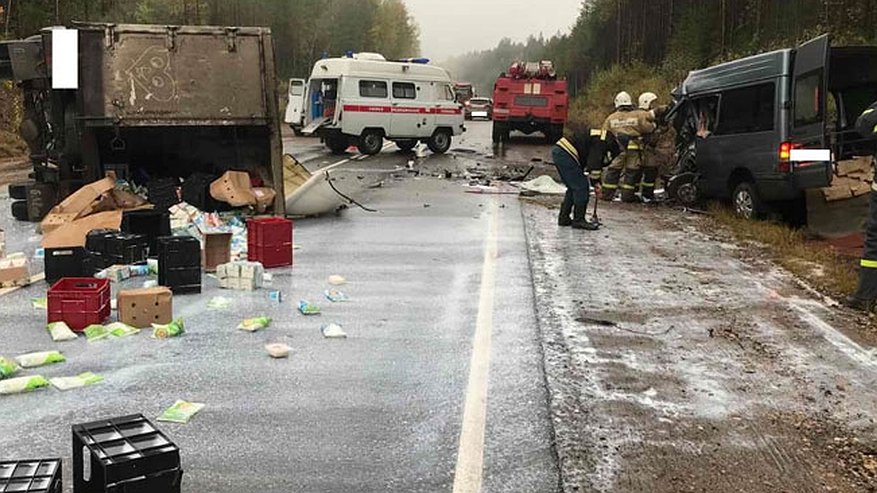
(79, 302)
(96, 244)
(34, 476)
(163, 192)
(67, 262)
(125, 455)
(126, 249)
(151, 223)
(179, 264)
(269, 241)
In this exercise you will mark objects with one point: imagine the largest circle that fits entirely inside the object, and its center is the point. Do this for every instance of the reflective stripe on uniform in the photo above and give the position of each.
(569, 148)
(874, 187)
(610, 186)
(598, 133)
(596, 174)
(633, 146)
(625, 186)
(869, 110)
(870, 264)
(875, 129)
(648, 185)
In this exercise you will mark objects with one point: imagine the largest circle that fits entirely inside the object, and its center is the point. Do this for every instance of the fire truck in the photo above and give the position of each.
(530, 98)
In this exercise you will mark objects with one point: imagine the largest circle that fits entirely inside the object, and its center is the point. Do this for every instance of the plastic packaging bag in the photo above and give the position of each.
(335, 296)
(308, 309)
(278, 350)
(81, 380)
(22, 384)
(333, 331)
(181, 412)
(119, 329)
(33, 360)
(8, 368)
(337, 280)
(96, 332)
(254, 324)
(219, 303)
(39, 303)
(60, 331)
(172, 329)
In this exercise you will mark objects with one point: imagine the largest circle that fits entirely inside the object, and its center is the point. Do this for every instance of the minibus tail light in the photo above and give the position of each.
(785, 164)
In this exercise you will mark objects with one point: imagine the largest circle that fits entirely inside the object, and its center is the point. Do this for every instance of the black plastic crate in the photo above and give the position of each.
(96, 244)
(196, 192)
(151, 223)
(126, 248)
(67, 262)
(163, 482)
(34, 476)
(181, 280)
(123, 452)
(163, 192)
(178, 251)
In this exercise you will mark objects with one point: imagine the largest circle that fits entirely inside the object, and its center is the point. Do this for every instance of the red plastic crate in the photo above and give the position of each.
(79, 301)
(269, 241)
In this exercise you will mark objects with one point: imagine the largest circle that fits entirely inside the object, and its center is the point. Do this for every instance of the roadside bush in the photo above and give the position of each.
(11, 144)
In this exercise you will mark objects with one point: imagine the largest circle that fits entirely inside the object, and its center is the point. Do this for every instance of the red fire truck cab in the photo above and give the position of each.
(530, 98)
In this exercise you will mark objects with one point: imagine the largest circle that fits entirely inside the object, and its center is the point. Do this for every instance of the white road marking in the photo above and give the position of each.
(470, 455)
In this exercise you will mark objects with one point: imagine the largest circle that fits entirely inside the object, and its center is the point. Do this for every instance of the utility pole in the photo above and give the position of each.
(58, 12)
(8, 16)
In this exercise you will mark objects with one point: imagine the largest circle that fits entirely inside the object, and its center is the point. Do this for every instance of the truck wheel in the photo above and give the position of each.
(18, 191)
(440, 142)
(371, 142)
(19, 210)
(406, 145)
(747, 203)
(337, 144)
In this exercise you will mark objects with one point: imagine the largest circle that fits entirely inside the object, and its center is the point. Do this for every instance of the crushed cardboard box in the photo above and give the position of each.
(233, 188)
(854, 179)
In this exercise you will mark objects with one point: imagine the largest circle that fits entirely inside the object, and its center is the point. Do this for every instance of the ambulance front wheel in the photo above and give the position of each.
(371, 142)
(440, 142)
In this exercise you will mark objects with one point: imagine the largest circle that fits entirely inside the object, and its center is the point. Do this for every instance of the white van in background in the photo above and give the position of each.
(364, 99)
(295, 105)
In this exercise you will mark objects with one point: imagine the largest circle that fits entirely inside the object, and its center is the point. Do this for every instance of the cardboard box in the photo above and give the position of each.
(217, 250)
(242, 275)
(142, 307)
(14, 271)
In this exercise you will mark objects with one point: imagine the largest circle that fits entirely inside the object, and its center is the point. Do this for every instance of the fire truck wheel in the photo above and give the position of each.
(371, 142)
(440, 142)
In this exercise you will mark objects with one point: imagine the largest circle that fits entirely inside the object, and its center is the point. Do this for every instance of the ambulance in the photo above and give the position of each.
(363, 99)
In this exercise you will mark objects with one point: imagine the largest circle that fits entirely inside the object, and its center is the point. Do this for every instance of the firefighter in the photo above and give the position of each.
(651, 162)
(570, 155)
(865, 297)
(628, 125)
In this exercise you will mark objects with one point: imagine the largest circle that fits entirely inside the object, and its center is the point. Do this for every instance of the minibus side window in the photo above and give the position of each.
(373, 89)
(808, 98)
(747, 110)
(706, 109)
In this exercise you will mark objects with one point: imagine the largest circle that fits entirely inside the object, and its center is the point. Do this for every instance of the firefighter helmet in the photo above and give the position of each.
(623, 99)
(646, 99)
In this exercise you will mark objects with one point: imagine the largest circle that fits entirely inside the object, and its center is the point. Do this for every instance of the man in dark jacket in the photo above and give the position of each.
(866, 295)
(574, 157)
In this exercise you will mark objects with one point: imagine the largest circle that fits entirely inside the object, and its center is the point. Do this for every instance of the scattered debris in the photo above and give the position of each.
(276, 296)
(81, 380)
(307, 308)
(181, 412)
(119, 329)
(333, 331)
(96, 332)
(40, 303)
(172, 329)
(241, 275)
(254, 324)
(60, 332)
(33, 360)
(337, 280)
(335, 295)
(22, 384)
(544, 185)
(8, 367)
(219, 303)
(278, 350)
(14, 271)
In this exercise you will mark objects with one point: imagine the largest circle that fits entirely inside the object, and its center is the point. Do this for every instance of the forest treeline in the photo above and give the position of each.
(303, 30)
(673, 36)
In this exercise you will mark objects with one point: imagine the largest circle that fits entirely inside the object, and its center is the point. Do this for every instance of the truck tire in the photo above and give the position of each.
(371, 142)
(440, 142)
(406, 145)
(338, 144)
(18, 191)
(19, 210)
(746, 201)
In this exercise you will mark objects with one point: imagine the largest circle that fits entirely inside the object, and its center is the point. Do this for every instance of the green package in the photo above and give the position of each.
(32, 360)
(254, 324)
(307, 308)
(119, 329)
(8, 368)
(39, 303)
(60, 331)
(22, 384)
(96, 332)
(219, 303)
(81, 380)
(172, 329)
(181, 412)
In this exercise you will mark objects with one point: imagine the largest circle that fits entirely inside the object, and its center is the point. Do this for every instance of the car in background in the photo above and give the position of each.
(479, 108)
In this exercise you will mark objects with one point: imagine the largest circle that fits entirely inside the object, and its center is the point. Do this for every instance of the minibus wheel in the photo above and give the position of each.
(747, 203)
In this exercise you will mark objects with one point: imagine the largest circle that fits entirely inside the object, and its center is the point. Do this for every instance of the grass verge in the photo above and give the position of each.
(817, 264)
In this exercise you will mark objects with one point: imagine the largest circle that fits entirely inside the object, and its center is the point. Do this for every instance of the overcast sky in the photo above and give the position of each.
(453, 27)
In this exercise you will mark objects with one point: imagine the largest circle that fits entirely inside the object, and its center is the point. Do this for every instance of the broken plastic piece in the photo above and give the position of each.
(119, 329)
(33, 360)
(22, 384)
(333, 331)
(335, 296)
(254, 324)
(96, 332)
(164, 331)
(60, 332)
(307, 308)
(8, 368)
(81, 380)
(278, 350)
(181, 412)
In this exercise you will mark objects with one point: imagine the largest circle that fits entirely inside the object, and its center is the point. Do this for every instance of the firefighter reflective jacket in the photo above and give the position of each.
(629, 126)
(866, 125)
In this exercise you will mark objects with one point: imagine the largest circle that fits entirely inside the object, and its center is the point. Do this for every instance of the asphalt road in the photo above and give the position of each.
(380, 411)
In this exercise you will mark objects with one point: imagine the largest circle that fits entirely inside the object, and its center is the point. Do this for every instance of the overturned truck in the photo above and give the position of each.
(150, 102)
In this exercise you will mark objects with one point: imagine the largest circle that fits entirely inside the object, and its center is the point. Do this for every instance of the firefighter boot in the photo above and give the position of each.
(580, 222)
(629, 183)
(565, 210)
(866, 295)
(610, 183)
(647, 186)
